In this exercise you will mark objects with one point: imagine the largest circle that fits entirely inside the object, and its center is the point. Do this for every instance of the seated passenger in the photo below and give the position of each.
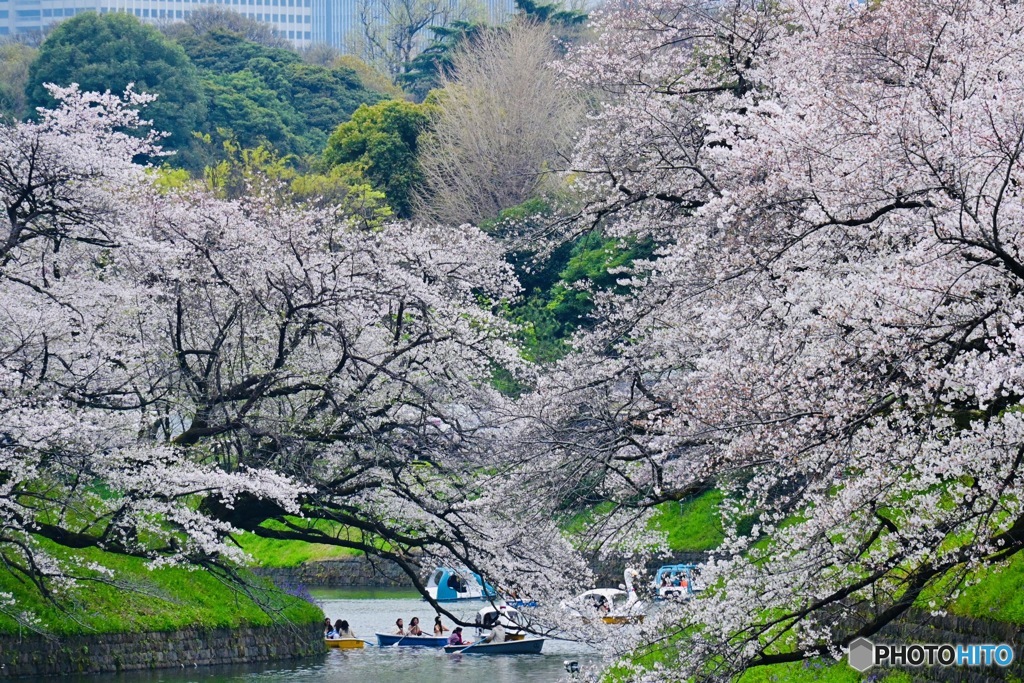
(343, 629)
(497, 634)
(456, 637)
(329, 631)
(414, 627)
(439, 628)
(400, 627)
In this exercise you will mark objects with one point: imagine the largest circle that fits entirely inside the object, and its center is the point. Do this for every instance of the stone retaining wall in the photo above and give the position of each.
(918, 626)
(354, 571)
(40, 656)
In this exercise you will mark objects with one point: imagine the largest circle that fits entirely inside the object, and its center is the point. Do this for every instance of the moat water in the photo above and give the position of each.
(368, 612)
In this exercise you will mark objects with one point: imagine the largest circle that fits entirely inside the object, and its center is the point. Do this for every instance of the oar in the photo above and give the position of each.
(475, 642)
(399, 641)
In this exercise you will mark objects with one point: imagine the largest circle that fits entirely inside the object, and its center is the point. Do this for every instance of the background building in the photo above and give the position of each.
(291, 19)
(303, 22)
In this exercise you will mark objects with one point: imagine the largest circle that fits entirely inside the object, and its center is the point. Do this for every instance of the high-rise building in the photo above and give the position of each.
(303, 22)
(291, 19)
(336, 22)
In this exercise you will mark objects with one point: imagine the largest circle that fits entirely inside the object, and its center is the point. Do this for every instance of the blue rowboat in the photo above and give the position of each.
(528, 646)
(386, 639)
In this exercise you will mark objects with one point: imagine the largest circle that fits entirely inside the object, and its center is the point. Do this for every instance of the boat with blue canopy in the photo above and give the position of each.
(677, 581)
(451, 585)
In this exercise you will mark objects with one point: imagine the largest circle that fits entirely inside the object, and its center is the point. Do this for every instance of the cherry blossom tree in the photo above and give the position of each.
(76, 386)
(830, 332)
(176, 369)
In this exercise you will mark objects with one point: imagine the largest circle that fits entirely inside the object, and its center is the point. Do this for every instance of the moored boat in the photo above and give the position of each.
(345, 643)
(528, 646)
(450, 585)
(388, 639)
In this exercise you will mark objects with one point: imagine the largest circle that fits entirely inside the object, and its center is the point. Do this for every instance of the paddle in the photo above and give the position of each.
(399, 641)
(475, 642)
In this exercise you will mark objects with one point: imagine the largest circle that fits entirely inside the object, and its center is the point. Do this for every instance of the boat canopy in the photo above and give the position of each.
(510, 618)
(677, 580)
(448, 585)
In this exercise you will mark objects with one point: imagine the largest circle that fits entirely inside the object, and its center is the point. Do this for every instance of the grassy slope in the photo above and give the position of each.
(268, 552)
(818, 671)
(998, 594)
(148, 600)
(272, 553)
(693, 525)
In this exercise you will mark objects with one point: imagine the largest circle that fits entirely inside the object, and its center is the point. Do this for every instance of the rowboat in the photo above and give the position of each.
(386, 639)
(529, 646)
(345, 643)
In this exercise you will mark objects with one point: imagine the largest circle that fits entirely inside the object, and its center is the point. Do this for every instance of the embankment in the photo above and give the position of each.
(38, 656)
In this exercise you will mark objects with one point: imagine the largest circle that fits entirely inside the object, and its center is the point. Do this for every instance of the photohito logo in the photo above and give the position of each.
(864, 654)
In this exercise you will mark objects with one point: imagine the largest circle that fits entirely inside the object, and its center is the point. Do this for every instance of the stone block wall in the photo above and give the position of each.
(918, 626)
(354, 571)
(38, 656)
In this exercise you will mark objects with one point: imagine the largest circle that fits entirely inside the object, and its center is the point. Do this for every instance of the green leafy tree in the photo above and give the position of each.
(243, 109)
(222, 50)
(111, 51)
(558, 285)
(381, 142)
(422, 74)
(551, 13)
(15, 60)
(263, 94)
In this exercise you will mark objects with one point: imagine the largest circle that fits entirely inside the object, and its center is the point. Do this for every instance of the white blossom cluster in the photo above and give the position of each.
(176, 368)
(831, 330)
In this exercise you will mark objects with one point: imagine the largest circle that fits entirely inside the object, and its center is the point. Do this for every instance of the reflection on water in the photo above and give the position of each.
(369, 611)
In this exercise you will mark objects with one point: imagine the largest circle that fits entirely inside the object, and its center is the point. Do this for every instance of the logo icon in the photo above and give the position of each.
(862, 654)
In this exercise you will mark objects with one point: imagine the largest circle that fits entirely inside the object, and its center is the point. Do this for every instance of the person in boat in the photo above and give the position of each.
(414, 627)
(456, 583)
(329, 631)
(439, 628)
(602, 604)
(497, 634)
(400, 626)
(456, 637)
(343, 630)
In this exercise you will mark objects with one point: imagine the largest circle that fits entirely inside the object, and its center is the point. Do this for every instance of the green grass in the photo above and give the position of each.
(579, 522)
(269, 552)
(148, 600)
(693, 525)
(817, 671)
(999, 594)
